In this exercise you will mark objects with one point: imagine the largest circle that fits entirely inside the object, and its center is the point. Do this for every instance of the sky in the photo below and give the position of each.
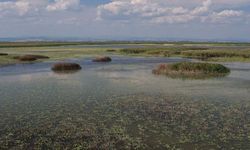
(126, 19)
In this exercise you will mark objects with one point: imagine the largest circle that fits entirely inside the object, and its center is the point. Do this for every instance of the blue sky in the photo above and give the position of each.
(126, 19)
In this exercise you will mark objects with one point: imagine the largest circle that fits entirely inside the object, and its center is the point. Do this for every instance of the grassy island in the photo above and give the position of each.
(192, 70)
(65, 67)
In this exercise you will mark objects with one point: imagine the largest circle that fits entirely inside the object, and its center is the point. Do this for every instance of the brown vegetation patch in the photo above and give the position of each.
(30, 57)
(102, 59)
(3, 54)
(191, 70)
(111, 50)
(66, 67)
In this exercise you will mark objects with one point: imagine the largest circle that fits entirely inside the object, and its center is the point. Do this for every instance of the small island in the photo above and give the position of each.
(191, 70)
(30, 57)
(102, 59)
(64, 67)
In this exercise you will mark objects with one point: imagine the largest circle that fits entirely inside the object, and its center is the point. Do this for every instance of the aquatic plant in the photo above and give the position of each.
(102, 59)
(129, 121)
(191, 70)
(65, 66)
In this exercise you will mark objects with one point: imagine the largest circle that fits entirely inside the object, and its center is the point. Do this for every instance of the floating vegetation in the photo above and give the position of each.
(65, 67)
(191, 70)
(102, 59)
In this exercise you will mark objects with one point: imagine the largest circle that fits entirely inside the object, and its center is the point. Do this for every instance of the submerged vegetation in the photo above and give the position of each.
(191, 70)
(126, 122)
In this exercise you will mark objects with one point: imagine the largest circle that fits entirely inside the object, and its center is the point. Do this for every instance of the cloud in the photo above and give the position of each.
(21, 7)
(63, 5)
(225, 16)
(166, 11)
(203, 9)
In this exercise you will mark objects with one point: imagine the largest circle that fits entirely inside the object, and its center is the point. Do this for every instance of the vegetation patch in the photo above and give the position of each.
(218, 53)
(191, 70)
(133, 51)
(102, 59)
(111, 50)
(65, 66)
(202, 52)
(3, 54)
(30, 57)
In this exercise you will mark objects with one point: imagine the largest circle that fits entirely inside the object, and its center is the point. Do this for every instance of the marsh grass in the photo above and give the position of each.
(202, 52)
(64, 67)
(54, 53)
(102, 59)
(218, 53)
(30, 57)
(64, 50)
(191, 70)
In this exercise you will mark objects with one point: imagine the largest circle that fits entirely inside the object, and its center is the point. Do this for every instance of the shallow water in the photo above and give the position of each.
(132, 74)
(33, 98)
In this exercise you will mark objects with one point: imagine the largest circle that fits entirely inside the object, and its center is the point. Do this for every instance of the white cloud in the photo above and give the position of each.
(225, 16)
(203, 9)
(165, 11)
(21, 7)
(229, 13)
(63, 5)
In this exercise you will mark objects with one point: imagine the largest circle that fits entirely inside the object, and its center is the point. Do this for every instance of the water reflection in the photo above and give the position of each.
(63, 72)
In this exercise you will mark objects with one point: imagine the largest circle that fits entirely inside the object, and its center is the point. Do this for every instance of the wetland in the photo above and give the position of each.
(121, 104)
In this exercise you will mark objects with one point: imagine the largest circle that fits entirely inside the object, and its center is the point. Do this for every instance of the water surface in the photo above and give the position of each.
(39, 108)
